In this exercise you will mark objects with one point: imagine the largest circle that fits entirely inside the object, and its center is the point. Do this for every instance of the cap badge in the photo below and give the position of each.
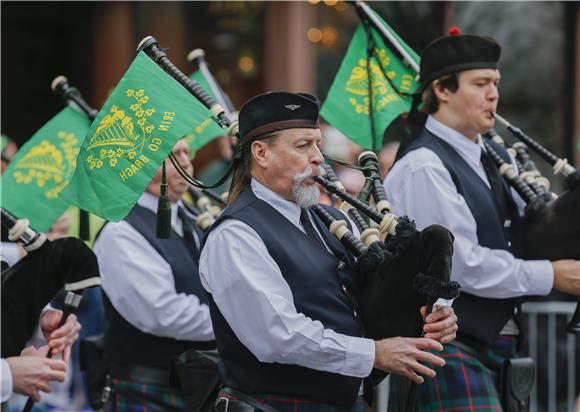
(292, 106)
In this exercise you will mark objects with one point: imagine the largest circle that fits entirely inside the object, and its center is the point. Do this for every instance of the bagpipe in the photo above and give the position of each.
(551, 224)
(406, 271)
(30, 284)
(34, 281)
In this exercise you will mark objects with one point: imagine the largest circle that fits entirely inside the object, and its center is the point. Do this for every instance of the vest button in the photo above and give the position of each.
(344, 288)
(341, 265)
(354, 313)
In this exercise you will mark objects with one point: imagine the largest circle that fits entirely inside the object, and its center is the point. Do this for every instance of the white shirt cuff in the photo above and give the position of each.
(7, 386)
(360, 356)
(540, 276)
(442, 303)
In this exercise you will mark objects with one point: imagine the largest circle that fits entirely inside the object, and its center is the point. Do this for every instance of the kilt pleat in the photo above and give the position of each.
(464, 383)
(135, 397)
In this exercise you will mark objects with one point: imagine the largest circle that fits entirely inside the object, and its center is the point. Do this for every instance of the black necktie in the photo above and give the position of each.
(187, 231)
(308, 228)
(495, 181)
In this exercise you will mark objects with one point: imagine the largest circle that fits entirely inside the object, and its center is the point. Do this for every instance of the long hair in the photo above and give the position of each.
(242, 174)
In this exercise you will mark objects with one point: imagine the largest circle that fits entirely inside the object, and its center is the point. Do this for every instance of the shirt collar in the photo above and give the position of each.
(286, 208)
(149, 201)
(462, 144)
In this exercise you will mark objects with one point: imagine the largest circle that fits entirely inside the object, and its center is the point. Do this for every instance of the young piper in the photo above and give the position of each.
(445, 176)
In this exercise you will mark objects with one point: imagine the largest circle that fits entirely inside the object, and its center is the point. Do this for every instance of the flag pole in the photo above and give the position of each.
(365, 12)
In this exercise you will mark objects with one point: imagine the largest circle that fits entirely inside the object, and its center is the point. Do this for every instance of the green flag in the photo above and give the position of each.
(347, 103)
(207, 130)
(147, 113)
(42, 168)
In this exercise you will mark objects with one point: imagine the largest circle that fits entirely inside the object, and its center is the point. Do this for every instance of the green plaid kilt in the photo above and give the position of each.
(464, 383)
(135, 397)
(289, 404)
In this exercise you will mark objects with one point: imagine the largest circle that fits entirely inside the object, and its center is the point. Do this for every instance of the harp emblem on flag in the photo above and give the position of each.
(357, 84)
(48, 165)
(117, 136)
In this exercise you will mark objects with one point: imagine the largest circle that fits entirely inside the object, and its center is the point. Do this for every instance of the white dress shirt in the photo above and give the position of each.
(140, 285)
(256, 301)
(10, 252)
(421, 187)
(6, 384)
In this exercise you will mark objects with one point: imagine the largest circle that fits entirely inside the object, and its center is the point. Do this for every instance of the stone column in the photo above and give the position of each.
(289, 58)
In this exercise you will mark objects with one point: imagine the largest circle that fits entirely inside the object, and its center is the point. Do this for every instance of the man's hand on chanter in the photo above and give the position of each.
(441, 324)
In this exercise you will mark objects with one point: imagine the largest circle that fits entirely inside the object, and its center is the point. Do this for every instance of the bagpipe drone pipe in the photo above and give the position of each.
(551, 226)
(207, 206)
(209, 203)
(30, 284)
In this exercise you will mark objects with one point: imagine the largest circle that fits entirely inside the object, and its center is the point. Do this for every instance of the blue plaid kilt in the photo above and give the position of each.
(288, 404)
(136, 397)
(464, 383)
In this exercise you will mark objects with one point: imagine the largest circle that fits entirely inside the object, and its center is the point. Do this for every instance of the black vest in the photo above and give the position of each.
(316, 278)
(479, 318)
(124, 344)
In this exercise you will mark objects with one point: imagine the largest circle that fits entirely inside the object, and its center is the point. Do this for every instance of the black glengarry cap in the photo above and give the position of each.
(457, 52)
(274, 111)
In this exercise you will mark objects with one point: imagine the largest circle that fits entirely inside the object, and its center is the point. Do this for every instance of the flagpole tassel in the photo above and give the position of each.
(84, 225)
(163, 230)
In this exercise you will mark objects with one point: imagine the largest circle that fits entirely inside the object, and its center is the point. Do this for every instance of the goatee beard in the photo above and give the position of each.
(305, 196)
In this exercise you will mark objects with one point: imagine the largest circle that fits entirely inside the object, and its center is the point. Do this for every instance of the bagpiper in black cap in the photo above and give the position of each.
(457, 52)
(452, 53)
(262, 115)
(274, 111)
